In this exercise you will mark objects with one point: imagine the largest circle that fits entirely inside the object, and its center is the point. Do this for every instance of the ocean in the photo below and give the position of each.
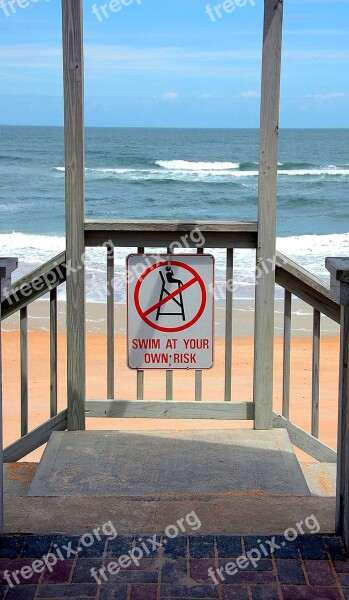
(188, 174)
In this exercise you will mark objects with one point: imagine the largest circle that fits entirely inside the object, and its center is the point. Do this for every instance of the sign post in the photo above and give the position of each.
(170, 304)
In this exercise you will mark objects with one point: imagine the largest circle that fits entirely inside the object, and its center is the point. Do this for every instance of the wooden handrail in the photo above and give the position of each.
(307, 287)
(33, 286)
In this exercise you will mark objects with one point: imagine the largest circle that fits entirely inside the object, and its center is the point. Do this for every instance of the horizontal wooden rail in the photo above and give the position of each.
(305, 441)
(35, 285)
(35, 438)
(156, 409)
(162, 234)
(305, 286)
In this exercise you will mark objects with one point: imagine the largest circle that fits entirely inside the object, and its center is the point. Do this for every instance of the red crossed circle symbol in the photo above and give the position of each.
(195, 279)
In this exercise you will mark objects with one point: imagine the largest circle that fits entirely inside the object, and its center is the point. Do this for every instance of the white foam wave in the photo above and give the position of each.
(309, 251)
(216, 171)
(184, 165)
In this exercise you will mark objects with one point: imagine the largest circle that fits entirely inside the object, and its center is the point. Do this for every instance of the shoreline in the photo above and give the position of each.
(243, 319)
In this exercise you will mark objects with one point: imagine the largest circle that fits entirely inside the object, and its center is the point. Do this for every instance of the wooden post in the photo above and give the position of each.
(268, 161)
(73, 71)
(7, 266)
(339, 269)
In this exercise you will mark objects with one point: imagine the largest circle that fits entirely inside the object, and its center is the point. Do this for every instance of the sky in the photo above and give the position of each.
(175, 63)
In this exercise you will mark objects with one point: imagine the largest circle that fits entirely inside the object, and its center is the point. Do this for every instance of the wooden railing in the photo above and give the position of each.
(298, 282)
(42, 281)
(159, 237)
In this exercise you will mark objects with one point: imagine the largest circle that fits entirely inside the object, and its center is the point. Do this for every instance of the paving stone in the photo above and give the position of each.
(341, 566)
(21, 592)
(176, 547)
(284, 548)
(263, 564)
(79, 590)
(335, 548)
(201, 546)
(235, 592)
(36, 546)
(302, 592)
(174, 571)
(312, 547)
(144, 592)
(290, 571)
(114, 592)
(11, 545)
(264, 592)
(17, 565)
(60, 574)
(229, 546)
(151, 543)
(93, 551)
(199, 569)
(319, 572)
(82, 571)
(188, 591)
(343, 578)
(121, 545)
(250, 577)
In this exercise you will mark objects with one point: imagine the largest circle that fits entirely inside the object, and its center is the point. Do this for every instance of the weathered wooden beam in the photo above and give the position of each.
(171, 226)
(53, 352)
(34, 286)
(305, 441)
(36, 438)
(307, 287)
(228, 325)
(339, 269)
(170, 409)
(267, 187)
(73, 74)
(315, 379)
(110, 322)
(286, 366)
(162, 234)
(7, 266)
(24, 369)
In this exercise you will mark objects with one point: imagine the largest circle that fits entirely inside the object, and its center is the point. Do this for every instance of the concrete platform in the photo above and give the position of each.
(162, 464)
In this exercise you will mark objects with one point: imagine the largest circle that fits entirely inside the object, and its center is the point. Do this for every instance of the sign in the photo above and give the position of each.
(170, 311)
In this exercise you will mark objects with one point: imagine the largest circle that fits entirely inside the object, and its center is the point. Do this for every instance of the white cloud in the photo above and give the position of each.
(328, 96)
(170, 96)
(250, 94)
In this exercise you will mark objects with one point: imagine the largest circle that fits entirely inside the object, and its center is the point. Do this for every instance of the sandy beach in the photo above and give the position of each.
(213, 380)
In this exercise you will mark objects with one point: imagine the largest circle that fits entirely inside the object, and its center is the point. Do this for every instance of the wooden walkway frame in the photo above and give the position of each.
(7, 266)
(268, 164)
(73, 73)
(73, 67)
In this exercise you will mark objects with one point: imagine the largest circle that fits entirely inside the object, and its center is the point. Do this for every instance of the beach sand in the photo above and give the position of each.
(213, 380)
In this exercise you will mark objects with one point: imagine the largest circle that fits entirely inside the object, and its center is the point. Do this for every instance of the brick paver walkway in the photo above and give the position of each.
(312, 567)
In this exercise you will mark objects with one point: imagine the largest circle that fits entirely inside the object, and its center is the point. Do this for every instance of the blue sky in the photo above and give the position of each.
(168, 63)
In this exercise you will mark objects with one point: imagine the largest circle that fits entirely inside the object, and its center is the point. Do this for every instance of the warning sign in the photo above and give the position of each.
(170, 311)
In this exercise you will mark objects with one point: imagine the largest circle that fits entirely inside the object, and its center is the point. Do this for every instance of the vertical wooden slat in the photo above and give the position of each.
(342, 499)
(1, 433)
(73, 74)
(24, 370)
(287, 355)
(268, 161)
(198, 374)
(315, 374)
(140, 373)
(228, 324)
(110, 322)
(53, 352)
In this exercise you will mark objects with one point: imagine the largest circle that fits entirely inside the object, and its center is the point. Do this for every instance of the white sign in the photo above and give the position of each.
(170, 311)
